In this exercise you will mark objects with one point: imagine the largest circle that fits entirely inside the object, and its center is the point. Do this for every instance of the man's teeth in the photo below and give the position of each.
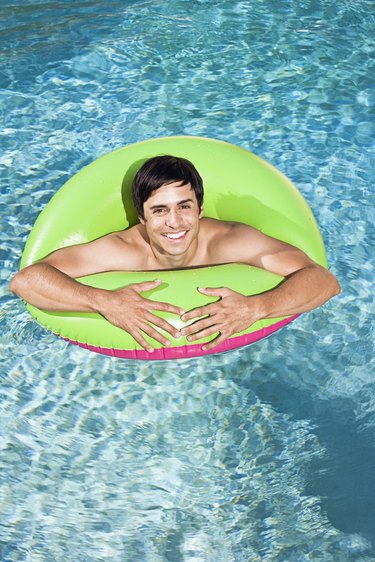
(174, 235)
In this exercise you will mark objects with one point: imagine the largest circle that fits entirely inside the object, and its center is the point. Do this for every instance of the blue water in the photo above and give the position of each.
(262, 454)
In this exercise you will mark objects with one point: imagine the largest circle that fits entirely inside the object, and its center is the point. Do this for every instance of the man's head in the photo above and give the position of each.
(164, 170)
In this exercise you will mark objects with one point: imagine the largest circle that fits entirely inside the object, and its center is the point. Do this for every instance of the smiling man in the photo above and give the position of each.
(173, 234)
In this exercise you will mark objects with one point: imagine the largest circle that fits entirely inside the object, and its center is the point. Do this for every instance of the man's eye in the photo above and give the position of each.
(158, 211)
(185, 206)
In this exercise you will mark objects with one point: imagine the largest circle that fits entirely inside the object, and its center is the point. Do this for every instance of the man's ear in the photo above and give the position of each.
(141, 220)
(201, 212)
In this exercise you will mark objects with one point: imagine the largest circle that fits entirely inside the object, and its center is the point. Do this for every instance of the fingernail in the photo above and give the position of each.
(188, 338)
(167, 342)
(177, 335)
(182, 311)
(150, 349)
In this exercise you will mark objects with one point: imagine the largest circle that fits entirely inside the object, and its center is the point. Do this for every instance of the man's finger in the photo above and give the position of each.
(153, 333)
(211, 330)
(163, 324)
(197, 326)
(214, 343)
(164, 307)
(215, 291)
(146, 285)
(142, 342)
(197, 312)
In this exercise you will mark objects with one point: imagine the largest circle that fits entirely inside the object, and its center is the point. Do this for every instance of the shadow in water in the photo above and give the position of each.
(344, 477)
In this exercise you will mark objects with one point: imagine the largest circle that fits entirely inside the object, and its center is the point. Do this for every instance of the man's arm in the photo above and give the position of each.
(307, 285)
(50, 285)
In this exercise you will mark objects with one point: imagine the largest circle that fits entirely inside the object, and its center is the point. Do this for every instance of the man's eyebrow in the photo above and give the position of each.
(158, 207)
(165, 206)
(185, 201)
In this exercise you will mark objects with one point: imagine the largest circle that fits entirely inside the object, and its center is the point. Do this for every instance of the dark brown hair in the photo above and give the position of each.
(162, 170)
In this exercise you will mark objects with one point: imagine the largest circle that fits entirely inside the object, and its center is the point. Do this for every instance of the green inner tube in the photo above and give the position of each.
(239, 186)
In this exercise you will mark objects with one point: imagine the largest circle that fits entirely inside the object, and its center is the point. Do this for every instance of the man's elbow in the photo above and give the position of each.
(22, 280)
(337, 288)
(16, 283)
(327, 283)
(334, 285)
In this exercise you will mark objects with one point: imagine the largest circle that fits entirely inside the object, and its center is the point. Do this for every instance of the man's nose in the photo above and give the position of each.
(173, 219)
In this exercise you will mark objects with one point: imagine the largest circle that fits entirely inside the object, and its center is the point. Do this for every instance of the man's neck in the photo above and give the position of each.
(168, 261)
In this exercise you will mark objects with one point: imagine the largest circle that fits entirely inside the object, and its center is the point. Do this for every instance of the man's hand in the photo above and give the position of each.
(301, 290)
(232, 313)
(128, 310)
(46, 287)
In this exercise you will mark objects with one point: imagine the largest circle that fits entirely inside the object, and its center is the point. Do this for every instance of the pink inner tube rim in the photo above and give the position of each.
(186, 351)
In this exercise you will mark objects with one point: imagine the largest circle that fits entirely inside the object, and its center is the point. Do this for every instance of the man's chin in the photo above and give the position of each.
(174, 250)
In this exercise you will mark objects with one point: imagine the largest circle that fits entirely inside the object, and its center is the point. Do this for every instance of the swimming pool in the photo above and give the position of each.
(261, 454)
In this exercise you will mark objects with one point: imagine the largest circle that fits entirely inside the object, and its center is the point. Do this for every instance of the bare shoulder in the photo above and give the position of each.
(226, 239)
(122, 245)
(116, 251)
(214, 228)
(241, 243)
(224, 228)
(129, 236)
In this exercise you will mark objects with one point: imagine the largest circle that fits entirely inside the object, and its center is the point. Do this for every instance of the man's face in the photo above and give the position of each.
(172, 218)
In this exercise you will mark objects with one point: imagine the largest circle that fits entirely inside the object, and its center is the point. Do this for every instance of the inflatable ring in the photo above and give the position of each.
(239, 186)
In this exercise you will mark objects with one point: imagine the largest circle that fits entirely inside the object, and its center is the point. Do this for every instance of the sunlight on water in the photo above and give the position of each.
(261, 454)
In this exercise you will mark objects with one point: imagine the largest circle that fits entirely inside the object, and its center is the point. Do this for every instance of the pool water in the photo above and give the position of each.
(261, 454)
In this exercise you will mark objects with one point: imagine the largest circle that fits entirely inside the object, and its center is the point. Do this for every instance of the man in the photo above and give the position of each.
(173, 234)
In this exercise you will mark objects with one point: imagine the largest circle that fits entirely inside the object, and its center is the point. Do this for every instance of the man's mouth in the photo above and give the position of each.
(175, 235)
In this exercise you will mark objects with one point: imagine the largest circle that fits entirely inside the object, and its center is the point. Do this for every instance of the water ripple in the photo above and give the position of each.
(251, 455)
